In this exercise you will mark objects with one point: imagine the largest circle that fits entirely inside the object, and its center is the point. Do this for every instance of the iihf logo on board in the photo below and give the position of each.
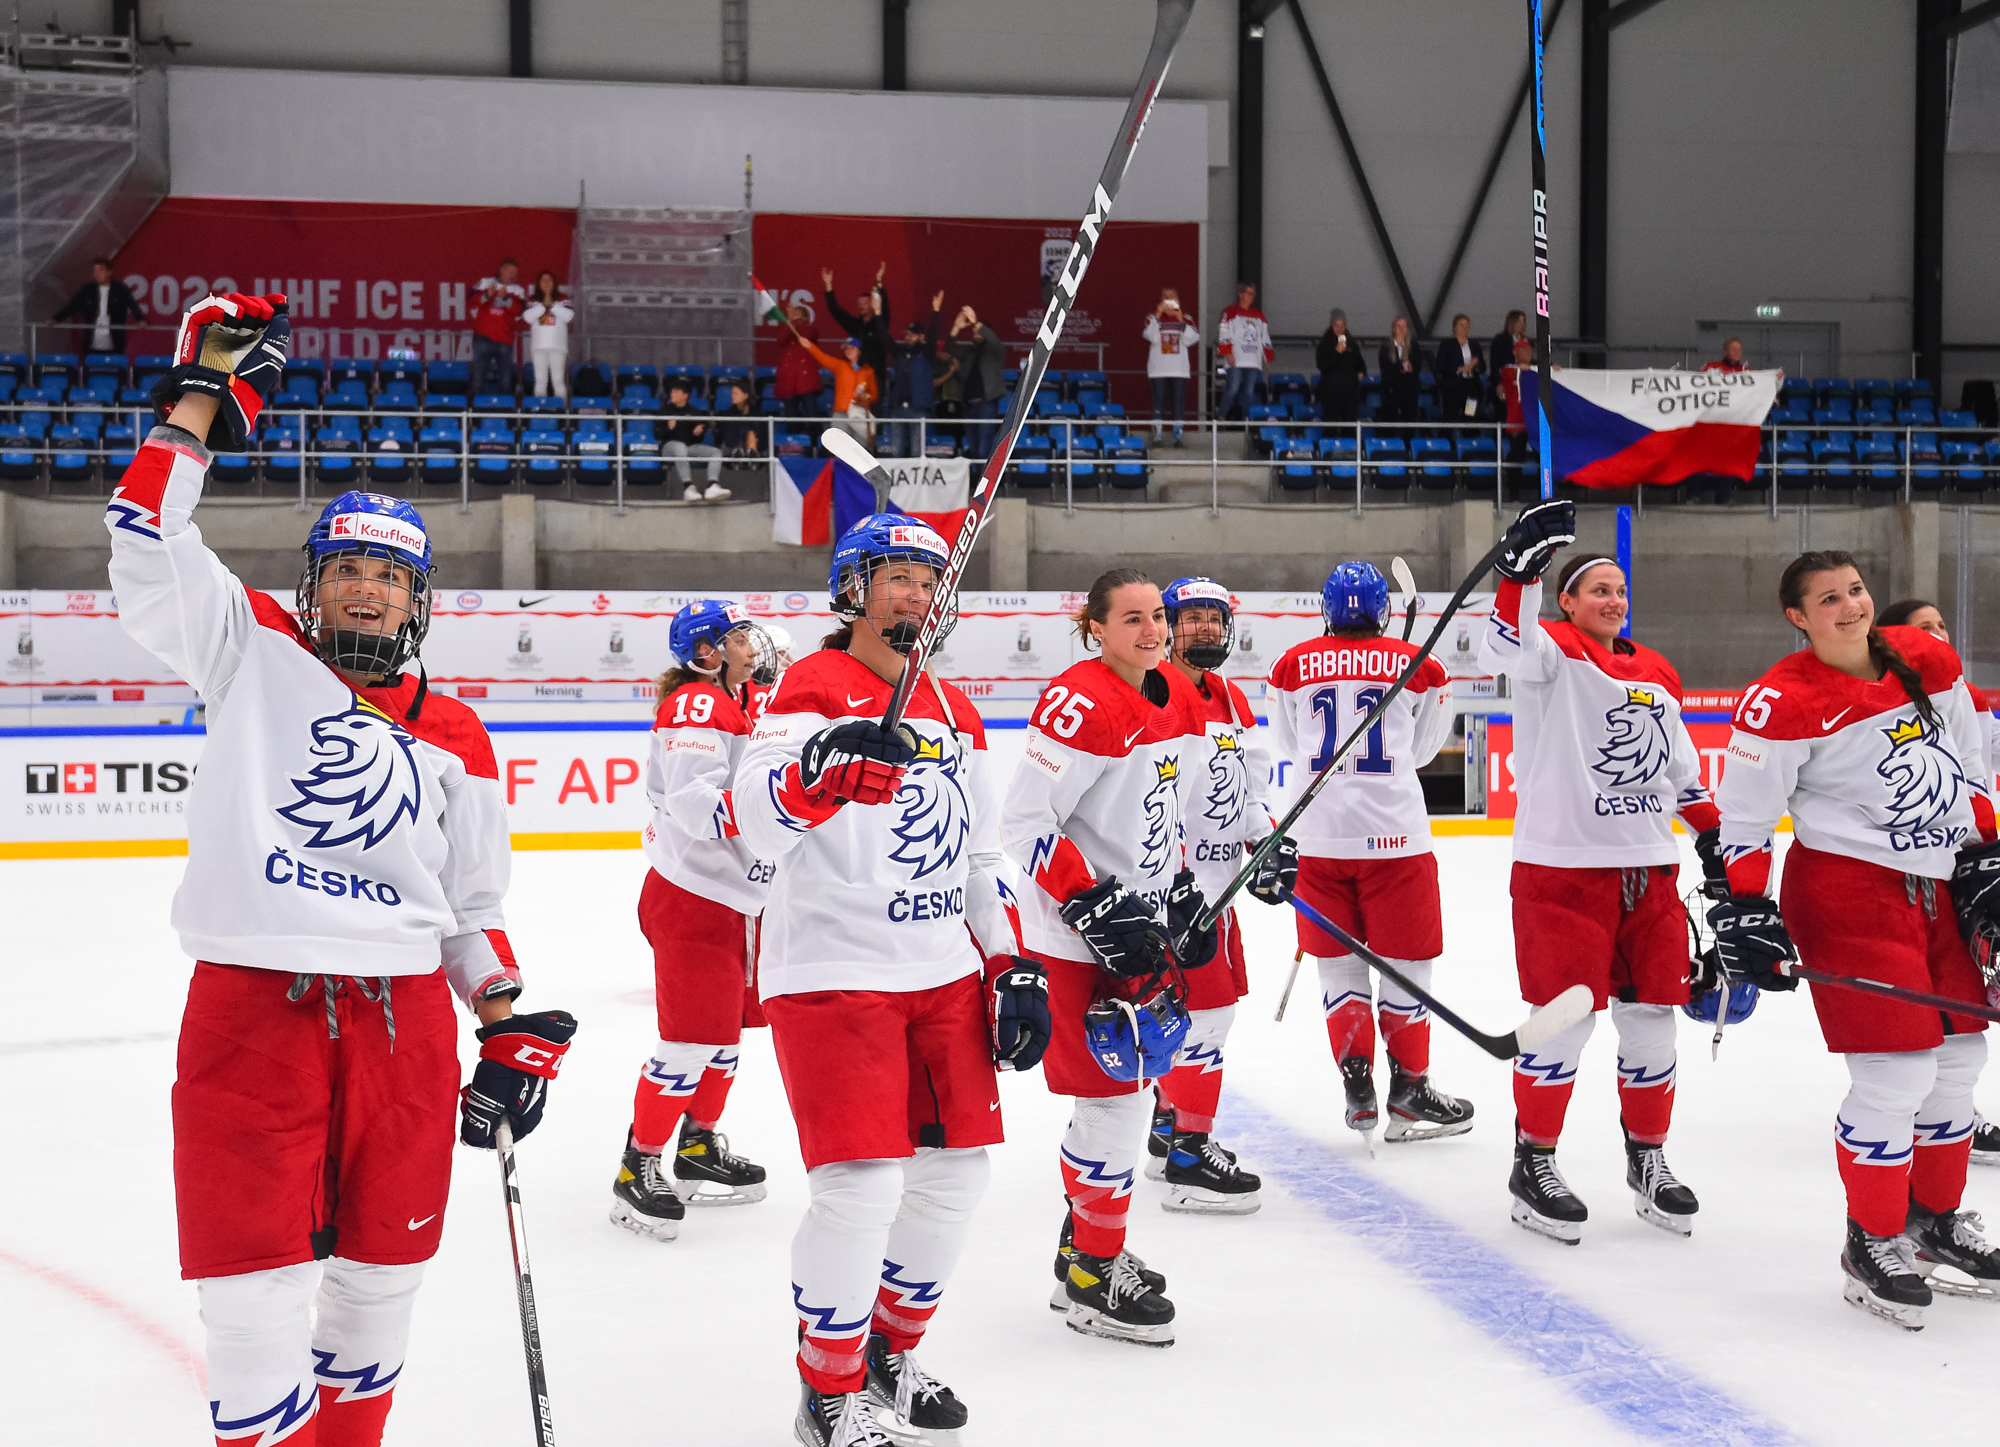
(1228, 780)
(1163, 815)
(364, 785)
(1636, 748)
(932, 818)
(1924, 778)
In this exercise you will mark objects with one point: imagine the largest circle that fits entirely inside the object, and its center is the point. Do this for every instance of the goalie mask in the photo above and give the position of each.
(714, 622)
(873, 543)
(1186, 599)
(364, 598)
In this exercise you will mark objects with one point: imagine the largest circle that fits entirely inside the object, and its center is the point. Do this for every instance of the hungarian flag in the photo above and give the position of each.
(1615, 429)
(816, 499)
(769, 313)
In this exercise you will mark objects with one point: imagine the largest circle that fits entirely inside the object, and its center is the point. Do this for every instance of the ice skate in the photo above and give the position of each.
(1985, 1141)
(910, 1404)
(1159, 1141)
(1357, 1078)
(843, 1421)
(643, 1199)
(1109, 1298)
(1204, 1180)
(1883, 1277)
(1418, 1111)
(1953, 1254)
(1659, 1199)
(706, 1174)
(1543, 1201)
(1059, 1300)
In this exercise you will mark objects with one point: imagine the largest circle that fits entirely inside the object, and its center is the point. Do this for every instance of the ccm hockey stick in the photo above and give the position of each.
(1891, 992)
(1215, 907)
(1545, 383)
(524, 1285)
(1407, 581)
(1170, 20)
(1571, 1007)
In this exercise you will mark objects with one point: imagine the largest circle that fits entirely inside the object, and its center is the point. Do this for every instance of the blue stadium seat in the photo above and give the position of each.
(452, 377)
(108, 365)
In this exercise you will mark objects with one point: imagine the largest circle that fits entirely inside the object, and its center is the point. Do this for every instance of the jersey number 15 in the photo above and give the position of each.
(1373, 758)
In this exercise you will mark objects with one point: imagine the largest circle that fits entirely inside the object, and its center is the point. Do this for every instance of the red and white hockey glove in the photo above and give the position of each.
(231, 348)
(518, 1056)
(858, 762)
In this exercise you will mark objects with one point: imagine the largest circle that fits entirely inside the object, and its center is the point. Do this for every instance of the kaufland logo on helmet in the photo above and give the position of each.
(388, 532)
(917, 537)
(1204, 592)
(734, 613)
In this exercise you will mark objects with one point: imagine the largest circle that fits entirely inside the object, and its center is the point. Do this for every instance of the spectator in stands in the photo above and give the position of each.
(1510, 398)
(1170, 340)
(868, 323)
(737, 431)
(854, 385)
(1458, 368)
(1500, 355)
(1731, 359)
(105, 304)
(1243, 345)
(681, 437)
(496, 318)
(912, 387)
(1402, 367)
(948, 377)
(1338, 357)
(548, 317)
(982, 366)
(797, 384)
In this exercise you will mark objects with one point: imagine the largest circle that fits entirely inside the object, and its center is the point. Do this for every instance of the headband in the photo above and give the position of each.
(1566, 587)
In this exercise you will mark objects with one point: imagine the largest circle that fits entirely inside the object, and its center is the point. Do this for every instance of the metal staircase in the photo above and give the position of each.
(667, 286)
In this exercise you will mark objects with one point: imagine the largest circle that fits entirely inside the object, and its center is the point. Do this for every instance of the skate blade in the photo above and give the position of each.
(697, 1193)
(1667, 1221)
(1531, 1220)
(1950, 1281)
(1059, 1298)
(1197, 1201)
(1086, 1322)
(1156, 1168)
(1909, 1318)
(1422, 1130)
(1986, 1158)
(905, 1433)
(654, 1227)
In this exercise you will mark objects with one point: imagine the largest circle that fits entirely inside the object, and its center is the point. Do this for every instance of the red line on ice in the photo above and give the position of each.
(135, 1321)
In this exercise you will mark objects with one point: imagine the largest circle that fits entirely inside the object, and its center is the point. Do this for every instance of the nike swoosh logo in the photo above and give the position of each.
(1132, 736)
(1827, 723)
(531, 602)
(853, 702)
(994, 1106)
(419, 1225)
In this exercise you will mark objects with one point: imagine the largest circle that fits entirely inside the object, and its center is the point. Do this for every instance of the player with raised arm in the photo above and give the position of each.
(886, 939)
(1870, 739)
(1095, 819)
(347, 856)
(1226, 813)
(1602, 766)
(697, 909)
(1365, 843)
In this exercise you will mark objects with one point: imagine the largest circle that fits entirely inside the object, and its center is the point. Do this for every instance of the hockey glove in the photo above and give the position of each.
(1751, 942)
(1277, 873)
(518, 1057)
(1192, 948)
(1021, 1022)
(1119, 928)
(1975, 891)
(1534, 538)
(231, 348)
(858, 762)
(1714, 873)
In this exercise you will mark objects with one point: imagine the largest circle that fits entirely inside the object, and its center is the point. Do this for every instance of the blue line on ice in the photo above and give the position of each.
(1623, 1378)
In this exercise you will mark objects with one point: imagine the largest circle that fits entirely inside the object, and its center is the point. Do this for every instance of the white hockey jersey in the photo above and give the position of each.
(1108, 778)
(699, 734)
(1230, 782)
(329, 831)
(1373, 806)
(1861, 772)
(881, 896)
(1602, 761)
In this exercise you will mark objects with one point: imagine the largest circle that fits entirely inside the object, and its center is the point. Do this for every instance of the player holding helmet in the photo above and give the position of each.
(697, 910)
(347, 854)
(888, 916)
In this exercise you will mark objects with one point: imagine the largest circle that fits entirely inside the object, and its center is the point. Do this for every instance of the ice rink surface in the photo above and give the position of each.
(1384, 1299)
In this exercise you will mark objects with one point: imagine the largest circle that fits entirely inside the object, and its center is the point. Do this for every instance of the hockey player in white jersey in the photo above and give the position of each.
(698, 911)
(887, 939)
(1365, 843)
(347, 855)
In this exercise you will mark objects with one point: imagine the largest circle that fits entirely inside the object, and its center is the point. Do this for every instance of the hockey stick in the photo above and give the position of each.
(1170, 20)
(1406, 580)
(1290, 980)
(1545, 382)
(524, 1285)
(1571, 1007)
(1892, 992)
(1213, 910)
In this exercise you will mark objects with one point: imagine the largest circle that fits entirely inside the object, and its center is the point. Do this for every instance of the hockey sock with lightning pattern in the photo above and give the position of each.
(1406, 1025)
(1872, 1134)
(667, 1083)
(1100, 1158)
(360, 1337)
(940, 1190)
(260, 1360)
(836, 1267)
(1646, 1063)
(713, 1092)
(1194, 1086)
(1543, 1080)
(1347, 996)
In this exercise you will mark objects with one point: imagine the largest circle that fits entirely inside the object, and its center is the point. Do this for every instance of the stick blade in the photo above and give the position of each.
(1572, 1007)
(843, 446)
(1405, 579)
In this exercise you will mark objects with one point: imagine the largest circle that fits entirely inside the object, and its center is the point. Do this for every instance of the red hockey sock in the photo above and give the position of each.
(1194, 1092)
(1937, 1174)
(348, 1424)
(1539, 1105)
(1098, 1210)
(706, 1107)
(655, 1114)
(834, 1365)
(1406, 1037)
(1351, 1030)
(1647, 1110)
(1878, 1196)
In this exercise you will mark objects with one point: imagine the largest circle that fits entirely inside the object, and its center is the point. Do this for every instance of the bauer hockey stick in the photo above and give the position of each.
(1572, 1007)
(1545, 382)
(1170, 20)
(1407, 581)
(524, 1285)
(1213, 910)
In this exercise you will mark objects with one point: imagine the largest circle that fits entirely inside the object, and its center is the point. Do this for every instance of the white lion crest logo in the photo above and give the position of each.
(1163, 815)
(933, 820)
(365, 784)
(1228, 781)
(1924, 777)
(1636, 748)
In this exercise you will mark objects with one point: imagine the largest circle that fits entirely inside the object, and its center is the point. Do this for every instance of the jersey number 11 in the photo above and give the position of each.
(1373, 758)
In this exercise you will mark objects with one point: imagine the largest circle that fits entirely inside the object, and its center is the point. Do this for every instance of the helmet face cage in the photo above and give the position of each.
(850, 596)
(1185, 593)
(1131, 1040)
(373, 654)
(763, 653)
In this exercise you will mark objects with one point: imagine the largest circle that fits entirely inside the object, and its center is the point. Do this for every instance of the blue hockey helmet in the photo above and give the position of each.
(1354, 594)
(1200, 593)
(1136, 1040)
(1742, 1000)
(877, 540)
(369, 525)
(710, 621)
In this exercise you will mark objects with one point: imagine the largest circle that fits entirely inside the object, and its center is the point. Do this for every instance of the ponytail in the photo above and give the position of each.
(1882, 653)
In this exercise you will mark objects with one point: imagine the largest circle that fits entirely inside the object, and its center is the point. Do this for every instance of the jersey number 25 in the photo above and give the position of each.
(1373, 759)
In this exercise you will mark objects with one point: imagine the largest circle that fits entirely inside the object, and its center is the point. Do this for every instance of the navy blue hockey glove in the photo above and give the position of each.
(1192, 948)
(231, 348)
(1021, 1021)
(1975, 891)
(859, 761)
(1119, 928)
(518, 1057)
(1277, 874)
(1751, 942)
(1714, 873)
(1534, 538)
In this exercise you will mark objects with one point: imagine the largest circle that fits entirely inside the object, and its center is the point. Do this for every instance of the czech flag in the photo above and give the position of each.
(1615, 429)
(816, 499)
